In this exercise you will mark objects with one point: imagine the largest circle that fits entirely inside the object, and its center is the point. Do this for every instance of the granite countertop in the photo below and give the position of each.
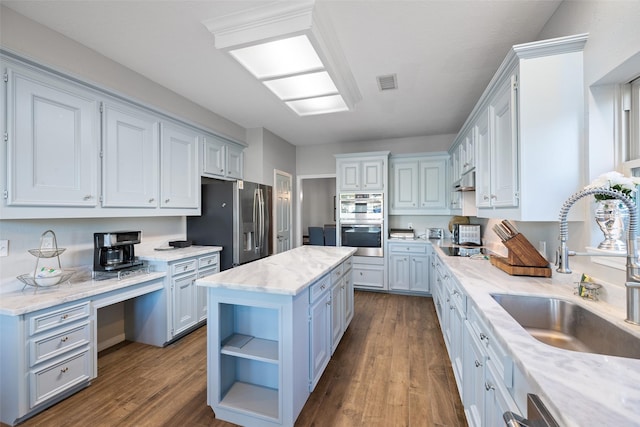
(80, 286)
(175, 254)
(580, 389)
(287, 273)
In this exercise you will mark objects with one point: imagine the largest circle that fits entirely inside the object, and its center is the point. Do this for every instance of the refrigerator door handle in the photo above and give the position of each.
(260, 220)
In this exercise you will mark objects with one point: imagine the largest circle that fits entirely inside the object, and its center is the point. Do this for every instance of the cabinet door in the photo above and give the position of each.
(504, 141)
(399, 272)
(130, 157)
(214, 155)
(469, 151)
(347, 285)
(404, 186)
(53, 142)
(372, 175)
(180, 181)
(320, 337)
(483, 161)
(337, 314)
(419, 274)
(349, 175)
(235, 162)
(184, 303)
(473, 379)
(433, 185)
(497, 399)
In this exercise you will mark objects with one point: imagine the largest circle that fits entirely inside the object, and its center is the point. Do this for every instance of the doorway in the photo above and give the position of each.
(282, 208)
(315, 203)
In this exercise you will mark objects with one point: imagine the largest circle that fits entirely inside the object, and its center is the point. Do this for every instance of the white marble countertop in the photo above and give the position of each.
(80, 286)
(169, 255)
(286, 273)
(580, 389)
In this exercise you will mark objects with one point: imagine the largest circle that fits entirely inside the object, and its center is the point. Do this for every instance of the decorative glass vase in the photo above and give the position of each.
(612, 216)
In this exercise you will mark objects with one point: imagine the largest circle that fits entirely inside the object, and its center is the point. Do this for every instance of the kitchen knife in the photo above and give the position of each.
(512, 228)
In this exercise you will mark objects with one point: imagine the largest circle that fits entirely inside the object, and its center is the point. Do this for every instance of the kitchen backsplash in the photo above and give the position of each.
(76, 235)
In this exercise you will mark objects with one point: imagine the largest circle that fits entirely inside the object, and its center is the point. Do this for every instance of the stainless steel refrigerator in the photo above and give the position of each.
(237, 216)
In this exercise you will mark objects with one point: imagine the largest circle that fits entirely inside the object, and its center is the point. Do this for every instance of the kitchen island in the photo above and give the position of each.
(271, 332)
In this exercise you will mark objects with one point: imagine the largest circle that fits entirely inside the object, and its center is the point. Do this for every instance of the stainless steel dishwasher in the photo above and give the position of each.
(538, 415)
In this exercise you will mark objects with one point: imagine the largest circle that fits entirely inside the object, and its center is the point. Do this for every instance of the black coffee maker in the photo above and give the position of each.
(114, 250)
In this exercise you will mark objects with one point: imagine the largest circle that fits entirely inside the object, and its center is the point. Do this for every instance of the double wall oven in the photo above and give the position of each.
(361, 222)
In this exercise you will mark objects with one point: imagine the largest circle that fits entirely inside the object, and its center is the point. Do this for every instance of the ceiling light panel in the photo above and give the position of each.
(320, 105)
(302, 86)
(278, 58)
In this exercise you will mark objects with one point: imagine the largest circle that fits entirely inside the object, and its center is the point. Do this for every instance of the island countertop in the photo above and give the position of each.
(286, 273)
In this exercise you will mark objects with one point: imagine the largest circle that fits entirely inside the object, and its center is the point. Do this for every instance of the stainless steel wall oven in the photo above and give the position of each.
(361, 223)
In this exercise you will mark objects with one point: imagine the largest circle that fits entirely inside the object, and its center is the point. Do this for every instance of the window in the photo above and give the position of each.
(634, 122)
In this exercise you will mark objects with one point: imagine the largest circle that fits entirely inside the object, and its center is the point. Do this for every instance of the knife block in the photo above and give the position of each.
(522, 260)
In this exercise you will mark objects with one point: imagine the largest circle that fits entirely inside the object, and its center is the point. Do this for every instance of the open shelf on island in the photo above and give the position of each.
(251, 348)
(252, 398)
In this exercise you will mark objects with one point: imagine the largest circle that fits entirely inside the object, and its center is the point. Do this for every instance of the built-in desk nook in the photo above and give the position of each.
(272, 327)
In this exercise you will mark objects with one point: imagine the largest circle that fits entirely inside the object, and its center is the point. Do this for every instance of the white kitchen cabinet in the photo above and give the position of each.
(179, 177)
(341, 302)
(419, 184)
(362, 171)
(46, 355)
(320, 317)
(185, 302)
(528, 157)
(53, 141)
(473, 379)
(130, 153)
(222, 159)
(409, 267)
(497, 399)
(369, 273)
(499, 184)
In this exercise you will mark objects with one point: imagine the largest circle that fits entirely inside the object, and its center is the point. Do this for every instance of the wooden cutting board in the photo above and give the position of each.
(519, 270)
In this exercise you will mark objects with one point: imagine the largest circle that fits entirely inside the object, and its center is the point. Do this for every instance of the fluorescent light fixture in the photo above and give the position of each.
(293, 55)
(302, 86)
(293, 51)
(319, 105)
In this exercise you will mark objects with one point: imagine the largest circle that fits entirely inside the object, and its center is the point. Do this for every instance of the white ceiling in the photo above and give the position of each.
(443, 52)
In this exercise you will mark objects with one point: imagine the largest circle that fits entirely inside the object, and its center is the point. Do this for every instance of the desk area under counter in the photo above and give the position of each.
(273, 325)
(48, 347)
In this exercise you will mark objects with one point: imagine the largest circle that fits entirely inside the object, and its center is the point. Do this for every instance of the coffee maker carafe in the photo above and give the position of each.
(114, 250)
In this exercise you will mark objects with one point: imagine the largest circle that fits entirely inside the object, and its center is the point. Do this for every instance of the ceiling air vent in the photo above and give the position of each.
(388, 82)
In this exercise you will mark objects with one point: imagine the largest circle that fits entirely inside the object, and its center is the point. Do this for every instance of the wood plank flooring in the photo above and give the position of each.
(391, 369)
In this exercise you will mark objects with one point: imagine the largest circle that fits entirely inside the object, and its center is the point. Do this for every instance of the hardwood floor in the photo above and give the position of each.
(391, 369)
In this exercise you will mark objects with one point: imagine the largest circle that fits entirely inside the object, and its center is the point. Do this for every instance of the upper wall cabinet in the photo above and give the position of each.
(179, 178)
(130, 153)
(362, 172)
(528, 129)
(53, 138)
(221, 158)
(418, 184)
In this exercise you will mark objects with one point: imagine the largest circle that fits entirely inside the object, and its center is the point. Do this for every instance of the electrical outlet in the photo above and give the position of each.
(4, 248)
(410, 226)
(47, 242)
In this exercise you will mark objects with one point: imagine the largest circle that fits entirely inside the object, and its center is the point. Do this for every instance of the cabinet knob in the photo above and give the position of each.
(166, 200)
(488, 386)
(478, 364)
(64, 370)
(64, 317)
(87, 197)
(65, 339)
(151, 200)
(485, 198)
(221, 170)
(483, 337)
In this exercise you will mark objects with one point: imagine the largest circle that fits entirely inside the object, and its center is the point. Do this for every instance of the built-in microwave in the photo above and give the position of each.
(361, 207)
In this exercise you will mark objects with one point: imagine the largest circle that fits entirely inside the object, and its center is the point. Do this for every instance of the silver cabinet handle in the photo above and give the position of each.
(87, 197)
(151, 200)
(488, 386)
(166, 200)
(478, 363)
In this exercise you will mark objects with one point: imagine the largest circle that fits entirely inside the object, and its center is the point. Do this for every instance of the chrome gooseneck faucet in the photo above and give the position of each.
(633, 269)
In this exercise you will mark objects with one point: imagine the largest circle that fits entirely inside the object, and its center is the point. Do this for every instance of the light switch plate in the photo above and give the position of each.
(4, 248)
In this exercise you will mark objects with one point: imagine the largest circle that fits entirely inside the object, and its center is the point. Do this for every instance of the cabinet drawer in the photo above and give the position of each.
(184, 267)
(45, 348)
(54, 379)
(336, 274)
(208, 261)
(45, 321)
(369, 276)
(346, 266)
(319, 288)
(408, 249)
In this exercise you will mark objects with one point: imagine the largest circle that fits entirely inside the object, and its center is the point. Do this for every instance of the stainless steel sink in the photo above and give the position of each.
(569, 326)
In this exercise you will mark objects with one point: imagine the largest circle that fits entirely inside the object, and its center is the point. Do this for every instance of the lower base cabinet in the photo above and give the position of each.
(259, 372)
(369, 273)
(488, 382)
(409, 267)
